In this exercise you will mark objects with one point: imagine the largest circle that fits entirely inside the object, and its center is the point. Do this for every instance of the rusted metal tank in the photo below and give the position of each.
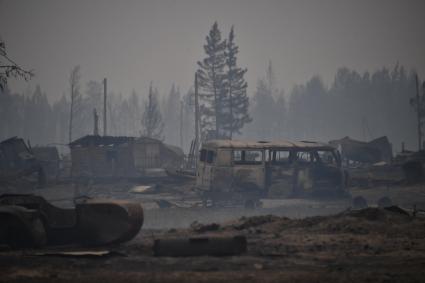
(35, 222)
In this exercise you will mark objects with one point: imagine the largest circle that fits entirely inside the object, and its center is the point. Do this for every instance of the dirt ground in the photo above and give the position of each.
(288, 241)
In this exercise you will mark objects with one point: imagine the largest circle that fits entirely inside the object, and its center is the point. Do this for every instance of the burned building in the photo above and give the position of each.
(371, 152)
(119, 157)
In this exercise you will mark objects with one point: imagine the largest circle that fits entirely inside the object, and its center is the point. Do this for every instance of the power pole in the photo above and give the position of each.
(71, 114)
(181, 124)
(104, 108)
(197, 140)
(418, 107)
(96, 123)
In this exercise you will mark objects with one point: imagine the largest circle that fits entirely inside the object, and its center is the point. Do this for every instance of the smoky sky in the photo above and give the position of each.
(135, 42)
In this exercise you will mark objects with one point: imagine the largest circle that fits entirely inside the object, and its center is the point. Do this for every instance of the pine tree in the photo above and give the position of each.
(237, 99)
(281, 115)
(134, 113)
(172, 116)
(152, 120)
(75, 95)
(263, 111)
(211, 77)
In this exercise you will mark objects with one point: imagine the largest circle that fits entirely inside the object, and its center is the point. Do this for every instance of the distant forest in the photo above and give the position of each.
(362, 106)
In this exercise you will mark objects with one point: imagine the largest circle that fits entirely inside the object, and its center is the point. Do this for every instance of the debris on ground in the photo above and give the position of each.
(79, 254)
(198, 227)
(373, 244)
(200, 246)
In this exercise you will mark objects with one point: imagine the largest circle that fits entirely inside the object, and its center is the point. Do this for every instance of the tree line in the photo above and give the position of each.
(363, 106)
(360, 105)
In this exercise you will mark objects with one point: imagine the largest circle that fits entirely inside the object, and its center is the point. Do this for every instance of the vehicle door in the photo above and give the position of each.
(326, 170)
(304, 166)
(248, 169)
(205, 168)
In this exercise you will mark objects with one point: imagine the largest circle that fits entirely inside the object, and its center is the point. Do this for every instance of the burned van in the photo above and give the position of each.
(247, 171)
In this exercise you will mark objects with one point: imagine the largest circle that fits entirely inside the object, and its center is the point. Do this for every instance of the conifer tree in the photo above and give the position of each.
(237, 100)
(152, 120)
(211, 77)
(171, 115)
(75, 98)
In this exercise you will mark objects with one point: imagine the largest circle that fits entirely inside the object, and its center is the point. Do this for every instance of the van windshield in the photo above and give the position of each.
(327, 157)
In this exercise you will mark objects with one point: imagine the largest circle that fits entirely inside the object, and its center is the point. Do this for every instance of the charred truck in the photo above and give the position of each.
(244, 171)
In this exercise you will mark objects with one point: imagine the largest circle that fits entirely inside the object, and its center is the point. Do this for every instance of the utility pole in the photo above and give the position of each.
(104, 108)
(418, 107)
(96, 123)
(197, 140)
(181, 124)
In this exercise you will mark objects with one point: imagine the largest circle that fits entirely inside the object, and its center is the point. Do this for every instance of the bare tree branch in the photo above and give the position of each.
(11, 69)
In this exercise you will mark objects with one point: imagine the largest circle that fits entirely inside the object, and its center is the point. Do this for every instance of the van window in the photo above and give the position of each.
(253, 156)
(327, 157)
(203, 155)
(304, 156)
(281, 156)
(237, 155)
(210, 156)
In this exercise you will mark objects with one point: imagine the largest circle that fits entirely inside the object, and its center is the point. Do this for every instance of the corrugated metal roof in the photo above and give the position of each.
(100, 140)
(93, 140)
(266, 144)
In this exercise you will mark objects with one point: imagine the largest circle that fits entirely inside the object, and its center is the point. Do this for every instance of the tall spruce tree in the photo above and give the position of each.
(75, 98)
(171, 115)
(238, 101)
(152, 120)
(211, 80)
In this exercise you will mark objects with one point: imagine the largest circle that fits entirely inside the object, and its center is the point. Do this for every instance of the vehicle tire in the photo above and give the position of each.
(16, 234)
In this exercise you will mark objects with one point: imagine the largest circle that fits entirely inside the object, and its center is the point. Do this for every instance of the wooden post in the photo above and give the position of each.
(96, 123)
(105, 128)
(181, 124)
(197, 140)
(418, 107)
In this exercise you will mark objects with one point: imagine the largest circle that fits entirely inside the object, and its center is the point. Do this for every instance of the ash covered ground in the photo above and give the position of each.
(288, 240)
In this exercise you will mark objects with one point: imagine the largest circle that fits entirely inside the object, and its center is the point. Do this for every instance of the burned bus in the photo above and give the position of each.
(246, 171)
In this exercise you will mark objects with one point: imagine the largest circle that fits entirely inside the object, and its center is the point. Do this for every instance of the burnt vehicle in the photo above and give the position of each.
(18, 161)
(28, 221)
(245, 171)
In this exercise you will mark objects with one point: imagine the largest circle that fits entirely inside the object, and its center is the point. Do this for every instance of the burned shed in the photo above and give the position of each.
(118, 157)
(171, 156)
(371, 152)
(102, 156)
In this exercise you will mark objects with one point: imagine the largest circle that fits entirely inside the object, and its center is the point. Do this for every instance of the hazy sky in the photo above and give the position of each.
(134, 42)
